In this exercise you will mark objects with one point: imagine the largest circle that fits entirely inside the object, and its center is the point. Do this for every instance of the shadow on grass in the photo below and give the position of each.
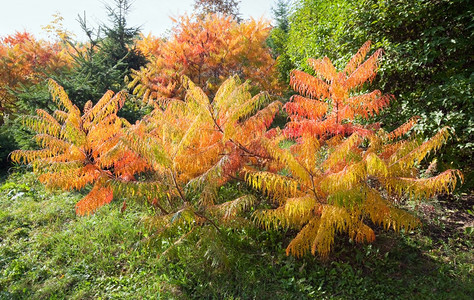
(394, 267)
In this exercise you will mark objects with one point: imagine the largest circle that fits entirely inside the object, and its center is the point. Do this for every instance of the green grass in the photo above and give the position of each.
(47, 252)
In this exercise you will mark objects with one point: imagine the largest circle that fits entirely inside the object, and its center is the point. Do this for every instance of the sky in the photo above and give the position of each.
(153, 16)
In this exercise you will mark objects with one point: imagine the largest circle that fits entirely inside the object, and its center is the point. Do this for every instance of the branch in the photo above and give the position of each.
(161, 208)
(177, 186)
(209, 220)
(239, 145)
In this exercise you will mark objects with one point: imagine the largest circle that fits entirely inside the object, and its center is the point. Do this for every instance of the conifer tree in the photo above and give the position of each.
(278, 38)
(108, 56)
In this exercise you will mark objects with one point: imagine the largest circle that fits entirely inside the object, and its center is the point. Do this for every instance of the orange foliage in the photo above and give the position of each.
(207, 51)
(327, 106)
(79, 149)
(149, 45)
(26, 61)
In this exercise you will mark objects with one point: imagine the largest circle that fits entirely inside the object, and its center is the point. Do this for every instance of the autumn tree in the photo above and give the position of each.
(25, 61)
(207, 51)
(197, 145)
(427, 61)
(226, 7)
(341, 177)
(77, 149)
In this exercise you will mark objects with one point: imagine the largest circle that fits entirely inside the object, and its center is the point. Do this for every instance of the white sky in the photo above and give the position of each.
(151, 15)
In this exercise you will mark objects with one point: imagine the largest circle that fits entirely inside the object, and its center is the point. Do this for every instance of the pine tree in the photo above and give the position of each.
(278, 38)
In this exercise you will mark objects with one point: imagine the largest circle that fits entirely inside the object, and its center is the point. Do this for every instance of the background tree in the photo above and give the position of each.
(226, 7)
(278, 37)
(208, 51)
(25, 65)
(24, 62)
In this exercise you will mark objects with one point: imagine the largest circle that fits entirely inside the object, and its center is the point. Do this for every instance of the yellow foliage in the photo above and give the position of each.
(272, 184)
(333, 219)
(335, 186)
(201, 143)
(304, 239)
(420, 152)
(376, 166)
(350, 172)
(230, 209)
(427, 187)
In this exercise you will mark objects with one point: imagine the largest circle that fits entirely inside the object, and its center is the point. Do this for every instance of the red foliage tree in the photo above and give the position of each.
(207, 51)
(25, 61)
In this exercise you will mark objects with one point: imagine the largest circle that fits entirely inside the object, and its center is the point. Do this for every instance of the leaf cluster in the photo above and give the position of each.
(24, 62)
(207, 50)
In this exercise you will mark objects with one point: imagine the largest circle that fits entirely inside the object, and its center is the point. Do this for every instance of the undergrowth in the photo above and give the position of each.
(47, 252)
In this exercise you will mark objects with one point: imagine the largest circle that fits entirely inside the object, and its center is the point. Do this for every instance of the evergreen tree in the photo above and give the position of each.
(108, 57)
(279, 37)
(281, 13)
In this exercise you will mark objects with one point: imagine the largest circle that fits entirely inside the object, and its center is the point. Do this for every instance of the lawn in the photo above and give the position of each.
(47, 252)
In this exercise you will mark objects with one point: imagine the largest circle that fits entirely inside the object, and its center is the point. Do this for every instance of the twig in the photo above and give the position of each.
(209, 220)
